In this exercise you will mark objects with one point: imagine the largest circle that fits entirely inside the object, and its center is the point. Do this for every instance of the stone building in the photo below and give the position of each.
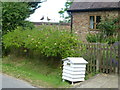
(87, 15)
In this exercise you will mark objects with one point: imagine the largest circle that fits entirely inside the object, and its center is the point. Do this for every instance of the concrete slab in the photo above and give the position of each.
(100, 81)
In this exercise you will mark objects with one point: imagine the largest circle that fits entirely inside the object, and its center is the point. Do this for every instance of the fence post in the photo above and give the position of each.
(98, 58)
(97, 64)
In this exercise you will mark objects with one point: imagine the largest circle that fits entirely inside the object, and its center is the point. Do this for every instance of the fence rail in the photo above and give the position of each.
(101, 57)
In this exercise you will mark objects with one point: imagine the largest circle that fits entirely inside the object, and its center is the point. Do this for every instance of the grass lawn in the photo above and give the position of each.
(40, 73)
(37, 72)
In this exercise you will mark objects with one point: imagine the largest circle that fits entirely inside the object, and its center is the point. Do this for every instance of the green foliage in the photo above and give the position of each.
(34, 5)
(94, 38)
(112, 39)
(14, 14)
(50, 41)
(108, 32)
(63, 11)
(108, 26)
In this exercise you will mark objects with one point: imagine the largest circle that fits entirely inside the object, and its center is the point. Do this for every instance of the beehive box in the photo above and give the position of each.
(74, 69)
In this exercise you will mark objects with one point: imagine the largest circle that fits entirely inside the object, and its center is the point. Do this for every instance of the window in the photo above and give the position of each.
(94, 21)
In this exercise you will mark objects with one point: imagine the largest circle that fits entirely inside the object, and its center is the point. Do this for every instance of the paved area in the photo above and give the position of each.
(100, 81)
(11, 82)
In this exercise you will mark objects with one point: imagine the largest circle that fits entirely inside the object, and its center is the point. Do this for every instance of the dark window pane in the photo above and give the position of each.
(98, 19)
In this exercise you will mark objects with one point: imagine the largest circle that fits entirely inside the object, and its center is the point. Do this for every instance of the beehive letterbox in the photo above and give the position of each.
(74, 69)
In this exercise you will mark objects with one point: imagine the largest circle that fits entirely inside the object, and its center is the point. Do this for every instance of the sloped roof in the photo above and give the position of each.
(92, 6)
(75, 60)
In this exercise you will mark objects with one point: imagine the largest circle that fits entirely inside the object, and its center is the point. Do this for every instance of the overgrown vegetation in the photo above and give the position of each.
(41, 50)
(49, 41)
(108, 32)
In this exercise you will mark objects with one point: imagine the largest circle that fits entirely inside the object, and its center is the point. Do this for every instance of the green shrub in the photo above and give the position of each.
(112, 39)
(49, 40)
(108, 32)
(91, 38)
(109, 26)
(101, 38)
(13, 38)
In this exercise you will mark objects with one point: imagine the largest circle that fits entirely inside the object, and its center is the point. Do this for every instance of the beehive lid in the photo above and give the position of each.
(76, 60)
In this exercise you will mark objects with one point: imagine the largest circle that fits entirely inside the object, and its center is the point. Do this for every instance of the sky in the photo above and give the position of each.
(49, 9)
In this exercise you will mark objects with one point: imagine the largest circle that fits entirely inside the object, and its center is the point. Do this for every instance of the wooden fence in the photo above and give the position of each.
(101, 57)
(0, 50)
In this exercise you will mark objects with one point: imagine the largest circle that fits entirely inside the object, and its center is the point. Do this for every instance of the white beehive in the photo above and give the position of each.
(74, 69)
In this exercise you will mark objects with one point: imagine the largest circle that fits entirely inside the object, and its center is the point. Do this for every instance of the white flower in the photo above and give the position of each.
(55, 44)
(32, 39)
(75, 32)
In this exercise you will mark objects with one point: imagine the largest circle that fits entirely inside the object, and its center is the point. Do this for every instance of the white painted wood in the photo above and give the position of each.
(75, 65)
(74, 69)
(81, 66)
(73, 76)
(74, 73)
(76, 60)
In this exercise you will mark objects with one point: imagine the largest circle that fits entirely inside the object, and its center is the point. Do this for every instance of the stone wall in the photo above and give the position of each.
(62, 26)
(81, 22)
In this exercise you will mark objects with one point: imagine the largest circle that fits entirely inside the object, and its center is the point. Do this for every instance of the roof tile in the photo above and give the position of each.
(92, 5)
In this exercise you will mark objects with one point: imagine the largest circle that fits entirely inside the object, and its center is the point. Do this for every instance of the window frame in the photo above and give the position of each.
(95, 23)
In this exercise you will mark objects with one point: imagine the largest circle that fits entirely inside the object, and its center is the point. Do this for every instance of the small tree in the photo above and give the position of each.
(15, 13)
(64, 10)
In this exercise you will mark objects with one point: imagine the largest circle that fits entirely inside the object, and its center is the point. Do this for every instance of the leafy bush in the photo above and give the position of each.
(50, 41)
(112, 39)
(92, 38)
(101, 38)
(109, 26)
